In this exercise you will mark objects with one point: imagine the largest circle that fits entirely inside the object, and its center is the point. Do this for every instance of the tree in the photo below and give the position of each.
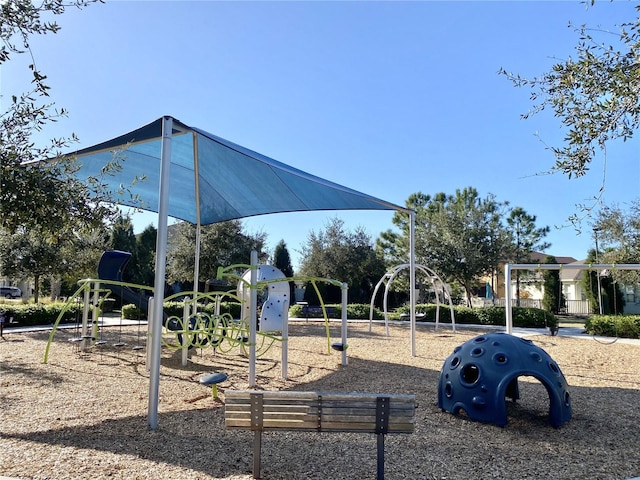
(393, 246)
(553, 300)
(122, 236)
(619, 234)
(51, 260)
(81, 255)
(459, 236)
(37, 185)
(601, 287)
(339, 254)
(123, 239)
(526, 238)
(39, 192)
(141, 266)
(145, 256)
(221, 245)
(28, 254)
(594, 95)
(618, 230)
(282, 261)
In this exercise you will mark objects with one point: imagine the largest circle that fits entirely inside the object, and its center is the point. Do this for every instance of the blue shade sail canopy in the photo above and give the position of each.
(212, 179)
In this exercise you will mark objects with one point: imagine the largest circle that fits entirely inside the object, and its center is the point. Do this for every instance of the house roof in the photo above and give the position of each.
(539, 257)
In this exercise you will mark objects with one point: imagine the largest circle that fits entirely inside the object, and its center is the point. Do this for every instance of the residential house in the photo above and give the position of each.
(528, 281)
(576, 302)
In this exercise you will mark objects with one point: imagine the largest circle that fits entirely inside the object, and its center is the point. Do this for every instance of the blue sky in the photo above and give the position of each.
(388, 98)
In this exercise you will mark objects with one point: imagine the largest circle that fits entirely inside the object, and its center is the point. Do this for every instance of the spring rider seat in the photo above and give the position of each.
(482, 372)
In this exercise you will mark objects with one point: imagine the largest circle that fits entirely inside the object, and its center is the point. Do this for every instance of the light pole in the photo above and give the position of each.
(595, 234)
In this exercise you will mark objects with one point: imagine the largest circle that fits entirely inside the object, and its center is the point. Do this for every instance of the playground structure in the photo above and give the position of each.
(479, 374)
(439, 286)
(199, 160)
(199, 327)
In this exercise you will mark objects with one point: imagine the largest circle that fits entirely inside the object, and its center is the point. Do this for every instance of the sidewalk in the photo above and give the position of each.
(102, 322)
(572, 332)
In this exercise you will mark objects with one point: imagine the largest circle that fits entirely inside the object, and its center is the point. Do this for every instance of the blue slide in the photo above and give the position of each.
(111, 267)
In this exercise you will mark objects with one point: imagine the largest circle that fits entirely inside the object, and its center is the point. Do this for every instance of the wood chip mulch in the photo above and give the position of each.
(84, 414)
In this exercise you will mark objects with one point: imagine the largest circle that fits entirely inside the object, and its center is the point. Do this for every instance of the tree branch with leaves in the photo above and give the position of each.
(595, 94)
(37, 184)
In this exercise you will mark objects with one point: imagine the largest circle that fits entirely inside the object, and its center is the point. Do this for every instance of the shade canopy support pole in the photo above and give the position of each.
(253, 317)
(412, 279)
(196, 175)
(344, 327)
(161, 260)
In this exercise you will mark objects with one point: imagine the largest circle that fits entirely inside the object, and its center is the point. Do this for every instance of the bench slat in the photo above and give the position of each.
(243, 424)
(365, 427)
(245, 407)
(292, 395)
(325, 417)
(395, 410)
(276, 417)
(277, 424)
(325, 403)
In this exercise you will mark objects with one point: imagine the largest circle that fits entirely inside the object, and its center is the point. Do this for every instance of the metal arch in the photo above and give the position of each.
(390, 276)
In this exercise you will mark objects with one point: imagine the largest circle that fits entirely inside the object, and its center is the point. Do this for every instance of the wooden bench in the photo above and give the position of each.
(261, 411)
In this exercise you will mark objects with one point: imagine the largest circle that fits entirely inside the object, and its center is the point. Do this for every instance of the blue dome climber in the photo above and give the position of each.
(482, 372)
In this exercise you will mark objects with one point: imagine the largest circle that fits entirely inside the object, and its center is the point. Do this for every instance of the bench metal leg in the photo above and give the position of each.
(257, 447)
(383, 410)
(380, 474)
(257, 412)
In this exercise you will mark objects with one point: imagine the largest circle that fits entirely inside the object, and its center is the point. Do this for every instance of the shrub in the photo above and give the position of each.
(314, 311)
(356, 311)
(533, 318)
(465, 315)
(522, 316)
(296, 311)
(132, 312)
(232, 308)
(38, 314)
(490, 316)
(429, 312)
(361, 311)
(623, 326)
